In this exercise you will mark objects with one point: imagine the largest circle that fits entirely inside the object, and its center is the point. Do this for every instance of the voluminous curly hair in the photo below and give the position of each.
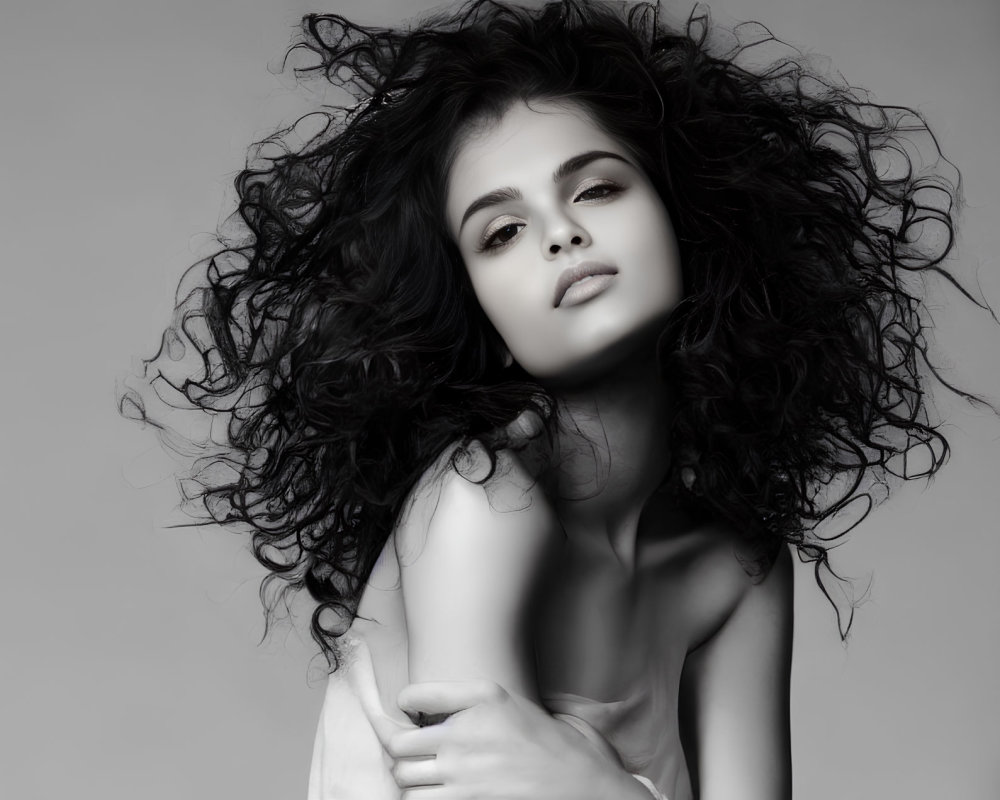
(342, 345)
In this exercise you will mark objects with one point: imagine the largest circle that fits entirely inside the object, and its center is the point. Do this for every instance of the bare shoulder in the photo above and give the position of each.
(758, 598)
(466, 492)
(471, 545)
(709, 573)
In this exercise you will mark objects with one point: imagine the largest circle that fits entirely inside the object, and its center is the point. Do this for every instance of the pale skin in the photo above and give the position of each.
(509, 593)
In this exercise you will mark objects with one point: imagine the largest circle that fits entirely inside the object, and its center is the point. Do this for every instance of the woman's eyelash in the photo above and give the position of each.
(597, 191)
(497, 236)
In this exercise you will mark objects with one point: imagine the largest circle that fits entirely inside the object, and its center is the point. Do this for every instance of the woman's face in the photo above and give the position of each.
(569, 248)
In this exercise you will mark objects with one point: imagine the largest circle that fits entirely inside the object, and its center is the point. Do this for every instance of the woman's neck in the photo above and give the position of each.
(611, 455)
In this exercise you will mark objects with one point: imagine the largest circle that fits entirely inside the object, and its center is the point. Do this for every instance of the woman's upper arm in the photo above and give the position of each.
(470, 557)
(739, 696)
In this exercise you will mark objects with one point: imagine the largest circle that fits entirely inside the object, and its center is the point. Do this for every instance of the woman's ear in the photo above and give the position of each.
(508, 359)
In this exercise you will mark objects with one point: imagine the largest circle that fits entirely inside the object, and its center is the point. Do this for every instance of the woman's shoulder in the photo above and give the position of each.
(732, 569)
(472, 548)
(470, 491)
(711, 572)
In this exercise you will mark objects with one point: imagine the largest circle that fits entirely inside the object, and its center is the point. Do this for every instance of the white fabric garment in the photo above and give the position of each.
(348, 760)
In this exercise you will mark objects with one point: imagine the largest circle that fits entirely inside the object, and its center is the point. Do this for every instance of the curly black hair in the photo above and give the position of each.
(342, 345)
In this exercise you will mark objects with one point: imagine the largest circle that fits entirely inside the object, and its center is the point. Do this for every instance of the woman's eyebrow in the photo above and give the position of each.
(568, 167)
(571, 165)
(490, 199)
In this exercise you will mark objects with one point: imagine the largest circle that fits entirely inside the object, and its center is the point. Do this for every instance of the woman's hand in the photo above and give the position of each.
(495, 744)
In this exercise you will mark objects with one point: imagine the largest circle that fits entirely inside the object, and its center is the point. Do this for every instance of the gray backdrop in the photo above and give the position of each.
(130, 668)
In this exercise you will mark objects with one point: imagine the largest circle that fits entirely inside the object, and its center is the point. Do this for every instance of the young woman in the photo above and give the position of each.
(535, 362)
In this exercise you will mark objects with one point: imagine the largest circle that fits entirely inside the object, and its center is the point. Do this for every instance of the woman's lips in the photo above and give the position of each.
(579, 283)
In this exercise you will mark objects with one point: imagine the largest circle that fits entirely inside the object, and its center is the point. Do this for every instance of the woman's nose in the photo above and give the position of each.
(562, 234)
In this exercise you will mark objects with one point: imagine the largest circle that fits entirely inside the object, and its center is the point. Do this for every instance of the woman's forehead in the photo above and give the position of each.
(528, 139)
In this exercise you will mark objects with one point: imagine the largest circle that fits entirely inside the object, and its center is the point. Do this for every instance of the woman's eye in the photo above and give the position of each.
(598, 191)
(498, 237)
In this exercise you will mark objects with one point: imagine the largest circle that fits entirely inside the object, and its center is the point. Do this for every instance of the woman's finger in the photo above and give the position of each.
(415, 742)
(448, 697)
(416, 772)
